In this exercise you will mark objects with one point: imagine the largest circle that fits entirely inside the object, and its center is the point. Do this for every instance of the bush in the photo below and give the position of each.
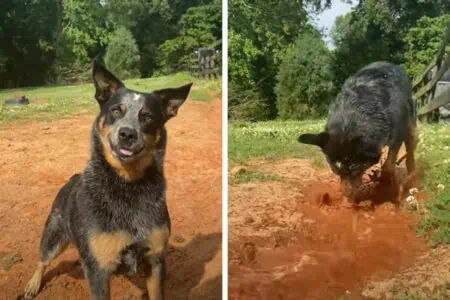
(199, 27)
(122, 55)
(246, 104)
(304, 85)
(422, 43)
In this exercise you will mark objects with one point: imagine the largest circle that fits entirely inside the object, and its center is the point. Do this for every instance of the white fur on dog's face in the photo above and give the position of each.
(136, 97)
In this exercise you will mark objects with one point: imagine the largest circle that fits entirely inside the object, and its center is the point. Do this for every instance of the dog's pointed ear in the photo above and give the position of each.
(173, 98)
(320, 139)
(106, 84)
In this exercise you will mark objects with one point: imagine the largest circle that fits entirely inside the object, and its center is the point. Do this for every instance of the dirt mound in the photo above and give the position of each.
(304, 242)
(37, 158)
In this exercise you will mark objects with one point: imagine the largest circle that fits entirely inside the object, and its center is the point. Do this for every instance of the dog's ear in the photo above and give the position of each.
(173, 98)
(320, 139)
(106, 84)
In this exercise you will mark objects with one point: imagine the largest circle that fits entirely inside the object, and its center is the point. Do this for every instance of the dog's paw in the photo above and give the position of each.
(31, 289)
(375, 175)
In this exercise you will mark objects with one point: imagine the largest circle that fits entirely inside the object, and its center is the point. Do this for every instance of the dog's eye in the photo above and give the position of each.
(147, 117)
(117, 111)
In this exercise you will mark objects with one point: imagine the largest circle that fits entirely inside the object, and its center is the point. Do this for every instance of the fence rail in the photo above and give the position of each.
(207, 61)
(424, 86)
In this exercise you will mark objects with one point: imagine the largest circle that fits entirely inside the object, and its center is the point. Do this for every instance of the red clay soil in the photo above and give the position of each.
(298, 239)
(37, 158)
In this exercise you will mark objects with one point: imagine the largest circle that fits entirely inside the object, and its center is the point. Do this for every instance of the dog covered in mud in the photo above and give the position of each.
(374, 109)
(115, 211)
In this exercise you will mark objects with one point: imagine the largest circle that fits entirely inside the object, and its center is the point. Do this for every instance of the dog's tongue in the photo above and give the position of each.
(126, 152)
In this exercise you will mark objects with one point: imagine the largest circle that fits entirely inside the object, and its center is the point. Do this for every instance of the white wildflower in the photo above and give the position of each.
(411, 199)
(413, 191)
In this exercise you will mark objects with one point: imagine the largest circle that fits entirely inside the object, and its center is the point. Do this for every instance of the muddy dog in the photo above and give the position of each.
(115, 211)
(374, 109)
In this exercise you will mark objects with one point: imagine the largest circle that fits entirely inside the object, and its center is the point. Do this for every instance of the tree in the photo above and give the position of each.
(266, 28)
(199, 27)
(83, 33)
(304, 85)
(27, 44)
(85, 30)
(376, 30)
(122, 55)
(423, 41)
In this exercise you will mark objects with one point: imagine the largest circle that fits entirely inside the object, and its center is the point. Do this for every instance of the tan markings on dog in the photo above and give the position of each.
(153, 283)
(157, 240)
(106, 247)
(134, 170)
(56, 252)
(150, 141)
(34, 284)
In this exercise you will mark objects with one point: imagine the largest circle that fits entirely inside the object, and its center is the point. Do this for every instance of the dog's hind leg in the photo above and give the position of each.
(53, 242)
(411, 144)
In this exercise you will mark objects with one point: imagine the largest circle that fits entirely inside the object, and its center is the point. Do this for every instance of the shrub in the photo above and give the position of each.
(304, 85)
(122, 55)
(246, 104)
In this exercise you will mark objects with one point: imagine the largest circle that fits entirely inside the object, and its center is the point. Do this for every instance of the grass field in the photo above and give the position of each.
(276, 140)
(49, 103)
(271, 140)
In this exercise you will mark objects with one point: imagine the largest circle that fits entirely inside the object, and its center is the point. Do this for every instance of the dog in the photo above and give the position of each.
(115, 211)
(374, 109)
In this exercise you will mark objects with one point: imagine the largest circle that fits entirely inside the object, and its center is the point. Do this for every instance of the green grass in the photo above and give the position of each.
(434, 160)
(276, 140)
(245, 175)
(272, 140)
(48, 103)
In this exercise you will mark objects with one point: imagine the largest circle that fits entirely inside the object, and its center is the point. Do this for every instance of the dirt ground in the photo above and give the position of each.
(294, 238)
(37, 158)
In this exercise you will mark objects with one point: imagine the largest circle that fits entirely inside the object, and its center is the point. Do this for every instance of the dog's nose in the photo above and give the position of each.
(128, 135)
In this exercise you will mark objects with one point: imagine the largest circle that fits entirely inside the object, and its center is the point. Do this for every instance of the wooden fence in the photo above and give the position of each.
(207, 61)
(424, 87)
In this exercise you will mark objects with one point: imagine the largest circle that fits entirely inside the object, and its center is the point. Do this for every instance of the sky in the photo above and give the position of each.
(327, 18)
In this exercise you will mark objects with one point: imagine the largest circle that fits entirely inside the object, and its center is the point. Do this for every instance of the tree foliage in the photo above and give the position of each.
(27, 41)
(53, 41)
(122, 55)
(199, 27)
(423, 41)
(376, 30)
(259, 33)
(304, 85)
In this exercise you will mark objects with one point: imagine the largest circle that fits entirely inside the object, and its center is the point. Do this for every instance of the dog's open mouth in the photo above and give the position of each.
(126, 153)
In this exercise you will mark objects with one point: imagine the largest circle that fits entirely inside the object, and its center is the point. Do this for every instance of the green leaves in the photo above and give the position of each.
(304, 85)
(422, 43)
(199, 27)
(122, 55)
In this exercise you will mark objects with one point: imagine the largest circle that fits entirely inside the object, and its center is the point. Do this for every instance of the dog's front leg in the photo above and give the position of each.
(157, 243)
(101, 258)
(155, 277)
(98, 279)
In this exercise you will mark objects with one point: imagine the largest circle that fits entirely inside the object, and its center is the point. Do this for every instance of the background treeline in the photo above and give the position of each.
(54, 41)
(280, 66)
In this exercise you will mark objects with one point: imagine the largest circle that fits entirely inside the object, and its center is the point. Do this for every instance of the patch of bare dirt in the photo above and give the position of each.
(297, 239)
(37, 159)
(428, 277)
